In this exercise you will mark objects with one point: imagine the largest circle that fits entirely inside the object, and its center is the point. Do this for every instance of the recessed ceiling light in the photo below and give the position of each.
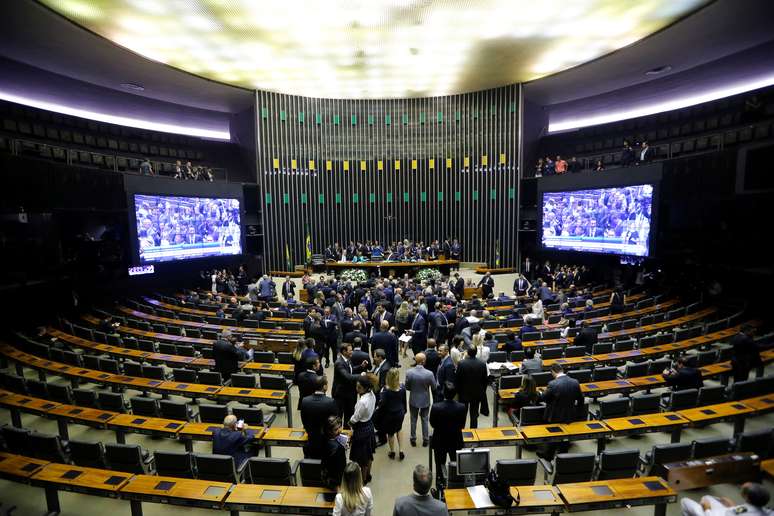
(132, 86)
(659, 70)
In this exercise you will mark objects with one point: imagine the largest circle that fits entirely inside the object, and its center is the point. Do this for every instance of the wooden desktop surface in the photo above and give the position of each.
(18, 467)
(83, 415)
(616, 493)
(716, 412)
(535, 499)
(646, 422)
(145, 424)
(390, 265)
(152, 487)
(77, 478)
(206, 313)
(203, 431)
(767, 466)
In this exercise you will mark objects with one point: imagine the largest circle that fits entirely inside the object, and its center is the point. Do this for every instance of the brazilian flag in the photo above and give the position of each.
(497, 254)
(308, 245)
(288, 258)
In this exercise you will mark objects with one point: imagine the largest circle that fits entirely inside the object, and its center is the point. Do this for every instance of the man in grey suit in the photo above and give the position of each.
(532, 362)
(419, 383)
(420, 503)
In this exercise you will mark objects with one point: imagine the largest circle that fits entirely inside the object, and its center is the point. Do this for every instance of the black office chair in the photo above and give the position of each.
(618, 464)
(601, 348)
(568, 468)
(111, 401)
(498, 356)
(108, 365)
(48, 447)
(704, 358)
(455, 480)
(210, 378)
(649, 341)
(542, 379)
(184, 375)
(263, 357)
(212, 413)
(132, 368)
(274, 382)
(153, 372)
(618, 407)
(17, 440)
(601, 374)
(623, 345)
(146, 345)
(530, 416)
(711, 396)
(246, 381)
(582, 375)
(710, 447)
(660, 454)
(186, 351)
(530, 336)
(744, 389)
(14, 383)
(517, 472)
(645, 404)
(220, 468)
(87, 454)
(516, 356)
(174, 410)
(174, 464)
(574, 351)
(270, 471)
(167, 348)
(144, 406)
(635, 370)
(758, 442)
(310, 473)
(658, 366)
(679, 400)
(510, 381)
(551, 353)
(85, 398)
(253, 416)
(37, 389)
(129, 458)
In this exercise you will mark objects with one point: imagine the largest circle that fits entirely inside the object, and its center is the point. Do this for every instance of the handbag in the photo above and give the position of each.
(499, 491)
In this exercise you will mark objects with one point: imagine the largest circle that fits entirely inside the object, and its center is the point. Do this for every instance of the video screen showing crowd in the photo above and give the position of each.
(603, 220)
(401, 251)
(179, 228)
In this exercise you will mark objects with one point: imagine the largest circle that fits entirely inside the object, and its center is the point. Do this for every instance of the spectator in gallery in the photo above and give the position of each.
(627, 154)
(574, 166)
(549, 168)
(178, 174)
(560, 165)
(146, 168)
(539, 168)
(599, 166)
(646, 154)
(189, 171)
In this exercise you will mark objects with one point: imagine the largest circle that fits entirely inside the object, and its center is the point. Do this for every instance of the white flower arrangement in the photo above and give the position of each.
(429, 275)
(354, 275)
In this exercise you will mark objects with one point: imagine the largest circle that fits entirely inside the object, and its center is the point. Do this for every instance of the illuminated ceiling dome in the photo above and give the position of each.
(373, 48)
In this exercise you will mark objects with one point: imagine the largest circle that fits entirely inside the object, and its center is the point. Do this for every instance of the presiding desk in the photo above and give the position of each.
(394, 267)
(581, 496)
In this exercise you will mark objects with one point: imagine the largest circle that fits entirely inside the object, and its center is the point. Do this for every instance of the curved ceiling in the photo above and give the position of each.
(373, 48)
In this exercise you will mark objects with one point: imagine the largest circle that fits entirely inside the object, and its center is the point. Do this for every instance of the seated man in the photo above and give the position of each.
(234, 440)
(683, 376)
(755, 497)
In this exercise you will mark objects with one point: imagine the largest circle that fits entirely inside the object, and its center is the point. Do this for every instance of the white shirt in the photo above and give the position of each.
(482, 353)
(364, 510)
(537, 308)
(364, 408)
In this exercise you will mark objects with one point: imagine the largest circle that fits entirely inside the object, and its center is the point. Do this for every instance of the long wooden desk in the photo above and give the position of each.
(767, 466)
(205, 313)
(18, 467)
(286, 499)
(393, 266)
(582, 496)
(67, 477)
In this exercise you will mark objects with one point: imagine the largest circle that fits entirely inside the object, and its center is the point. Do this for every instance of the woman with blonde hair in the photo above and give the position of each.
(482, 351)
(392, 409)
(353, 498)
(402, 323)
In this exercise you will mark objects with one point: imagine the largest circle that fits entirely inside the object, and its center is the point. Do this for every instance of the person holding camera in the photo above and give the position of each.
(233, 439)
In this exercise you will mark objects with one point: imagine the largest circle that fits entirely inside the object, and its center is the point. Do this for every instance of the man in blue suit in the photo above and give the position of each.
(233, 440)
(446, 373)
(419, 332)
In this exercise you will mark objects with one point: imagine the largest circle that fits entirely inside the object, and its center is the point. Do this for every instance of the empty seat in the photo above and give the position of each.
(658, 366)
(146, 345)
(542, 379)
(111, 401)
(600, 348)
(601, 374)
(186, 351)
(275, 382)
(87, 454)
(175, 410)
(144, 406)
(60, 393)
(91, 362)
(574, 351)
(517, 472)
(662, 454)
(618, 407)
(37, 388)
(285, 357)
(531, 415)
(498, 356)
(166, 348)
(251, 416)
(48, 447)
(745, 389)
(625, 345)
(711, 395)
(264, 357)
(618, 464)
(645, 404)
(510, 381)
(14, 383)
(17, 440)
(582, 375)
(635, 370)
(758, 442)
(271, 471)
(108, 365)
(132, 368)
(184, 375)
(567, 468)
(310, 473)
(684, 399)
(212, 413)
(220, 468)
(174, 464)
(129, 458)
(153, 372)
(85, 398)
(710, 447)
(549, 353)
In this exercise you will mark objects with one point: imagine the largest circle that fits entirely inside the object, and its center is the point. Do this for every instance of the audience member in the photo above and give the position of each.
(746, 353)
(532, 362)
(560, 165)
(586, 337)
(419, 383)
(526, 396)
(447, 373)
(683, 376)
(646, 153)
(627, 154)
(227, 354)
(334, 457)
(386, 340)
(345, 377)
(564, 401)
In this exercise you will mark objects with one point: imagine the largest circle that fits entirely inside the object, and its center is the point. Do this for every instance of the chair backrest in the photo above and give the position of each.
(186, 351)
(710, 447)
(108, 365)
(111, 401)
(625, 345)
(153, 372)
(273, 381)
(174, 464)
(310, 473)
(17, 440)
(174, 410)
(517, 472)
(530, 336)
(658, 366)
(665, 453)
(47, 447)
(573, 467)
(85, 398)
(600, 374)
(531, 415)
(758, 442)
(646, 404)
(498, 356)
(548, 353)
(132, 368)
(516, 356)
(219, 468)
(212, 413)
(635, 370)
(649, 341)
(683, 399)
(167, 348)
(14, 383)
(60, 393)
(582, 375)
(711, 395)
(511, 381)
(146, 345)
(618, 407)
(618, 464)
(601, 348)
(542, 378)
(574, 351)
(125, 457)
(744, 389)
(37, 388)
(251, 416)
(263, 357)
(144, 406)
(91, 362)
(270, 470)
(247, 381)
(87, 454)
(210, 378)
(184, 375)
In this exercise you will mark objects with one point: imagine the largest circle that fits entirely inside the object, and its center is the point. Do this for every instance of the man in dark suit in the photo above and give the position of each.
(356, 333)
(307, 380)
(359, 355)
(521, 286)
(446, 373)
(381, 314)
(646, 153)
(384, 339)
(683, 376)
(315, 411)
(227, 355)
(471, 384)
(564, 401)
(459, 287)
(330, 328)
(288, 288)
(746, 353)
(233, 440)
(345, 376)
(381, 367)
(432, 358)
(487, 285)
(418, 332)
(586, 337)
(440, 323)
(528, 327)
(447, 417)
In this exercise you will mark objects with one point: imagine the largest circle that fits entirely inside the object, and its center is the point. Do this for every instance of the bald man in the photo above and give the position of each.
(233, 440)
(420, 382)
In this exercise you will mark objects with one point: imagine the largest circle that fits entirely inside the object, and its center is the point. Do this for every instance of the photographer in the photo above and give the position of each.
(233, 439)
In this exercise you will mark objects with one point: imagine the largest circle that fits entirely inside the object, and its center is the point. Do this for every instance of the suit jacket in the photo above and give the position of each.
(563, 399)
(419, 383)
(344, 377)
(315, 411)
(459, 288)
(447, 418)
(358, 356)
(685, 378)
(531, 365)
(472, 376)
(376, 319)
(226, 357)
(418, 505)
(288, 288)
(389, 343)
(232, 442)
(586, 337)
(419, 327)
(307, 384)
(446, 373)
(433, 360)
(351, 336)
(382, 372)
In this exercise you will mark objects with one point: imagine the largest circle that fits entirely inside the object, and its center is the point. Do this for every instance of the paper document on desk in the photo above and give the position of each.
(404, 338)
(480, 497)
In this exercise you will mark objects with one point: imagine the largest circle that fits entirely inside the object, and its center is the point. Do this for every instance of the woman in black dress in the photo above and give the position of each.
(392, 409)
(363, 433)
(334, 458)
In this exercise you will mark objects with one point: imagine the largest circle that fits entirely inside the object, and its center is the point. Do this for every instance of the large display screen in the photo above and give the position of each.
(602, 220)
(180, 228)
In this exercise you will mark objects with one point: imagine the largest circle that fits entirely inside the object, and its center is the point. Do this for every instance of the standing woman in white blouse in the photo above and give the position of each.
(353, 499)
(363, 434)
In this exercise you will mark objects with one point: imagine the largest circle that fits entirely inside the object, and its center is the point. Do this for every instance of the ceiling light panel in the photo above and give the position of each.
(373, 48)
